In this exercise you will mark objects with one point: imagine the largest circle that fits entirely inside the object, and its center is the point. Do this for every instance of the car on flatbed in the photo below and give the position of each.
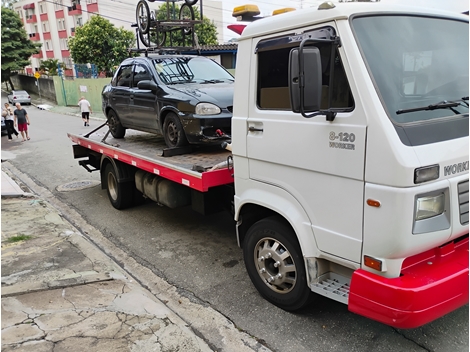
(188, 99)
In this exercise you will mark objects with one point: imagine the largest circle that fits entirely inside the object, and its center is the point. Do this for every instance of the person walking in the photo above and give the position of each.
(9, 121)
(85, 108)
(22, 121)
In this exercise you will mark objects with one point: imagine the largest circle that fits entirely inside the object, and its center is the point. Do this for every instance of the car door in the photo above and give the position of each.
(120, 95)
(143, 102)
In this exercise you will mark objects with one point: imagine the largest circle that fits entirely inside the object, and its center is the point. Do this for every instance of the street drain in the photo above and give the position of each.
(77, 186)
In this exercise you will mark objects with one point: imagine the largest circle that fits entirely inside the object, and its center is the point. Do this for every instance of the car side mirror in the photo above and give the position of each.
(305, 87)
(147, 84)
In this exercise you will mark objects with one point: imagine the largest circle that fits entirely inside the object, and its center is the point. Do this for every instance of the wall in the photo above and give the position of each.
(28, 83)
(68, 92)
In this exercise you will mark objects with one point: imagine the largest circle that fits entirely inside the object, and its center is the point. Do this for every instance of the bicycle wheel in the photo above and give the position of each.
(186, 13)
(142, 15)
(190, 2)
(152, 38)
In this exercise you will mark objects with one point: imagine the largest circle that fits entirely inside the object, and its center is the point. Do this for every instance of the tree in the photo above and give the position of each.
(49, 66)
(99, 42)
(17, 48)
(206, 31)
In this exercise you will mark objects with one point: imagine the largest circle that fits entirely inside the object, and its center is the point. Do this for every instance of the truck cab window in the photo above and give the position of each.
(273, 85)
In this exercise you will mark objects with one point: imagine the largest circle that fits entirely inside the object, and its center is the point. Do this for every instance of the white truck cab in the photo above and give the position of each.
(350, 146)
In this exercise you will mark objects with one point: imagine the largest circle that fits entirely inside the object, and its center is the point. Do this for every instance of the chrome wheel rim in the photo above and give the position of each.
(275, 265)
(112, 186)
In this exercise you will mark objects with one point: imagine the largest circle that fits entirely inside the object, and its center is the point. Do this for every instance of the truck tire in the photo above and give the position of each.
(275, 264)
(115, 125)
(173, 132)
(120, 194)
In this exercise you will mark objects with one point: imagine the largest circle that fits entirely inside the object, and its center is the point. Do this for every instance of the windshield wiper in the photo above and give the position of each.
(442, 105)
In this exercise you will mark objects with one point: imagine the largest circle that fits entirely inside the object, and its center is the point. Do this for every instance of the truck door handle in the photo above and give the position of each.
(254, 129)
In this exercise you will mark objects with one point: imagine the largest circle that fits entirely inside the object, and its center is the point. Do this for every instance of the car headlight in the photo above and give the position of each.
(429, 206)
(207, 109)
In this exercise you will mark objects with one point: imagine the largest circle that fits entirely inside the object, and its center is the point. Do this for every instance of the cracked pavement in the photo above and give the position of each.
(61, 293)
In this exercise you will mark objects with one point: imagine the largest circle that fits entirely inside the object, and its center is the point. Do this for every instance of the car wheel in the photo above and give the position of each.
(274, 262)
(173, 132)
(115, 126)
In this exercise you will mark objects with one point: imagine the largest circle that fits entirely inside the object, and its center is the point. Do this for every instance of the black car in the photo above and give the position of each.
(186, 98)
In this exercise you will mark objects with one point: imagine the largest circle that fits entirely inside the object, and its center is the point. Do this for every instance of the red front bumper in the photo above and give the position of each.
(431, 285)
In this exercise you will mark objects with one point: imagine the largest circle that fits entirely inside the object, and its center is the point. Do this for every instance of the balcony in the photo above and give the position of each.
(65, 53)
(46, 35)
(34, 36)
(38, 56)
(31, 19)
(62, 34)
(43, 17)
(59, 14)
(50, 54)
(92, 7)
(75, 10)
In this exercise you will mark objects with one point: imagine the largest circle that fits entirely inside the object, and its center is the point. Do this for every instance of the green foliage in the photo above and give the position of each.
(206, 31)
(18, 238)
(99, 42)
(49, 66)
(17, 48)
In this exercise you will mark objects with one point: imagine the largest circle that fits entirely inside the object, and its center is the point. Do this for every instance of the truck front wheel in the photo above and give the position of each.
(120, 194)
(274, 263)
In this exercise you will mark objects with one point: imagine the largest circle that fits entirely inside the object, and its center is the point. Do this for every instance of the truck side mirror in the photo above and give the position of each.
(308, 83)
(147, 84)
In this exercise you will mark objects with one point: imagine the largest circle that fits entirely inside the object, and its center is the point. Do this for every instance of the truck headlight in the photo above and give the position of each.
(432, 211)
(207, 109)
(429, 206)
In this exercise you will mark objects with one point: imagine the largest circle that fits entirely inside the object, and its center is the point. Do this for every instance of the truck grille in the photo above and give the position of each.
(463, 202)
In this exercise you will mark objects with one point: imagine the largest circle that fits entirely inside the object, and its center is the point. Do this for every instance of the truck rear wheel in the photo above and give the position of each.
(120, 194)
(274, 262)
(115, 125)
(173, 132)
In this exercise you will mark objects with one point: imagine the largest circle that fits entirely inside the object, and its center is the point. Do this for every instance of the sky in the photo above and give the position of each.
(266, 7)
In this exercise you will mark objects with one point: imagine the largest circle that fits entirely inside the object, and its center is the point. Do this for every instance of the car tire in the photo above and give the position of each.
(115, 127)
(173, 132)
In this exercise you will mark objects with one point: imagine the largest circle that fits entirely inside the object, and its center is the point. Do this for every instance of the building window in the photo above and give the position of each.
(91, 1)
(61, 24)
(19, 12)
(79, 22)
(45, 27)
(58, 5)
(64, 44)
(48, 45)
(67, 61)
(42, 7)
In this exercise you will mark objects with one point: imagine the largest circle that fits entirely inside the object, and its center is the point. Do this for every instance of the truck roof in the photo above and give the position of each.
(341, 11)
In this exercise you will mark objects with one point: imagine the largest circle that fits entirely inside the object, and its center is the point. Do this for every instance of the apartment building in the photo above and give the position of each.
(53, 22)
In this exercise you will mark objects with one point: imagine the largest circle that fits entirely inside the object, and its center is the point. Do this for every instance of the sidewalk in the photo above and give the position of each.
(61, 293)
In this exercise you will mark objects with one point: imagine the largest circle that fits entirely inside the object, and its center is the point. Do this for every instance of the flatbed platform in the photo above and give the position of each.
(203, 168)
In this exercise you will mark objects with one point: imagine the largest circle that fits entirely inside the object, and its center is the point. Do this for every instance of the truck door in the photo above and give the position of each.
(319, 162)
(143, 102)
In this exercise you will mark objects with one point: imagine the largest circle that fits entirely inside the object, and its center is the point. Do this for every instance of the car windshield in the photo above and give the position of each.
(418, 64)
(190, 70)
(20, 92)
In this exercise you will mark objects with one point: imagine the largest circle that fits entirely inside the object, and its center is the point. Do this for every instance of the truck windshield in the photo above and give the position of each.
(176, 70)
(419, 65)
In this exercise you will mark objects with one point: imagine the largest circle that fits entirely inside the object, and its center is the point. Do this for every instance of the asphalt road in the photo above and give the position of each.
(200, 256)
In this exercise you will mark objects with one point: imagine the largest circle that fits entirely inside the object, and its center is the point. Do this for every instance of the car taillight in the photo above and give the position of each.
(14, 97)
